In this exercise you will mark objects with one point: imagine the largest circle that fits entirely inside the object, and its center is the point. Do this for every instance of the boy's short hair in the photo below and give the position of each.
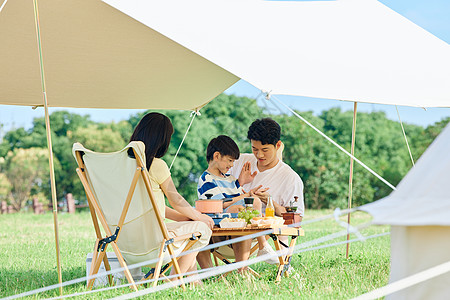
(224, 145)
(265, 130)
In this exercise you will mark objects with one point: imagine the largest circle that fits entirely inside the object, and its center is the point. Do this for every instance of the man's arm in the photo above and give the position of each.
(278, 209)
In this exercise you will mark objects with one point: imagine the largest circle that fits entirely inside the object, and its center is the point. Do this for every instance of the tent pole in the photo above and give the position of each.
(350, 180)
(49, 144)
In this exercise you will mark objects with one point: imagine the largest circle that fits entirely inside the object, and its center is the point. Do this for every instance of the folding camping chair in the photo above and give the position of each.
(119, 193)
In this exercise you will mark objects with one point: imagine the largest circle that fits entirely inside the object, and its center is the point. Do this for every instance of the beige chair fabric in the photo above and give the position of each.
(110, 176)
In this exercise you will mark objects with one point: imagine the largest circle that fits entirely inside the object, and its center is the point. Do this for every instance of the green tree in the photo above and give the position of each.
(226, 114)
(5, 188)
(26, 170)
(62, 124)
(96, 139)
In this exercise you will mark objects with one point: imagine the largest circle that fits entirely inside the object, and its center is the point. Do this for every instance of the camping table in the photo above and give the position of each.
(275, 233)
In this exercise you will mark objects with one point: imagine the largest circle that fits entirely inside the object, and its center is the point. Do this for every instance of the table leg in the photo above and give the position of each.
(285, 260)
(280, 258)
(288, 256)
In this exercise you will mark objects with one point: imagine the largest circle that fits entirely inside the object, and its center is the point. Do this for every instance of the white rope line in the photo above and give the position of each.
(151, 261)
(350, 228)
(3, 5)
(193, 114)
(336, 144)
(344, 242)
(404, 135)
(332, 216)
(232, 267)
(209, 269)
(406, 282)
(141, 264)
(129, 284)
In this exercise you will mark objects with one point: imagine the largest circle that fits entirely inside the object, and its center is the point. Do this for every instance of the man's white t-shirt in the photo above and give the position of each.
(282, 181)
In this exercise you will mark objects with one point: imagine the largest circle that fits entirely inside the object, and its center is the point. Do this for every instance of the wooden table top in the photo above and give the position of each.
(283, 230)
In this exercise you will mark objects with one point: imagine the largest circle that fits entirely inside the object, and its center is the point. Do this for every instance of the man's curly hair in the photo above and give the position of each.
(265, 130)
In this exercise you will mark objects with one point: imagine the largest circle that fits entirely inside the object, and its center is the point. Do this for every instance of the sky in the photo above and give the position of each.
(432, 15)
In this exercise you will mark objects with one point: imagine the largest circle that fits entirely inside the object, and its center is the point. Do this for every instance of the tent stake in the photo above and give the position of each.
(49, 144)
(350, 180)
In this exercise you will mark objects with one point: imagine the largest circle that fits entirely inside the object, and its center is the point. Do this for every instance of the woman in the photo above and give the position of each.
(155, 131)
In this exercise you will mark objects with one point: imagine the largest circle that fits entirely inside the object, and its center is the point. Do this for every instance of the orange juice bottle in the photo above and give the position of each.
(270, 209)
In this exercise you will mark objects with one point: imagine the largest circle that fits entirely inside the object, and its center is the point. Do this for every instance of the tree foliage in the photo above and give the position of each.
(5, 187)
(27, 172)
(323, 168)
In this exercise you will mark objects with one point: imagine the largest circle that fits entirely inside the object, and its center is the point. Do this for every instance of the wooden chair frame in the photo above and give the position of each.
(100, 245)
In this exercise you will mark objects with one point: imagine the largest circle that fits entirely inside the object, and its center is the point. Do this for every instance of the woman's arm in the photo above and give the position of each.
(173, 215)
(181, 205)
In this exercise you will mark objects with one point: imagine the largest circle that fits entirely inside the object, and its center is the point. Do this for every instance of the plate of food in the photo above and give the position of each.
(232, 223)
(267, 221)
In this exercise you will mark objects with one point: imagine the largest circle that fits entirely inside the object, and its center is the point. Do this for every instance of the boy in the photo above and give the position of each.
(221, 153)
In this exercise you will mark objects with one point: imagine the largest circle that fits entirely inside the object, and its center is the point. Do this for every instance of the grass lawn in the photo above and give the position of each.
(28, 262)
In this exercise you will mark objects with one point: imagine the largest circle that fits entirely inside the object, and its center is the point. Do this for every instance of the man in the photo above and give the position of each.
(266, 169)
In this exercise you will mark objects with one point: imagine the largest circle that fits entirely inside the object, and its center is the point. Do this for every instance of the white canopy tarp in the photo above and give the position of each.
(357, 50)
(423, 195)
(190, 51)
(97, 57)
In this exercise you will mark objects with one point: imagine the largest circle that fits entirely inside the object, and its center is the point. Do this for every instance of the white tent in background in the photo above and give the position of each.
(419, 215)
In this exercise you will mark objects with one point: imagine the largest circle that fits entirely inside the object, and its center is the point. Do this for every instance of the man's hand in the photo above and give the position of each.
(261, 194)
(207, 220)
(246, 175)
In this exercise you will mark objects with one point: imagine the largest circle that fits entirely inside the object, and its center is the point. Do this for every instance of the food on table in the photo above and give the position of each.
(232, 223)
(248, 213)
(277, 221)
(232, 220)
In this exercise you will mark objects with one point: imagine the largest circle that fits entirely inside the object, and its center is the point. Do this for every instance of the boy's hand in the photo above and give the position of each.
(262, 195)
(257, 189)
(246, 175)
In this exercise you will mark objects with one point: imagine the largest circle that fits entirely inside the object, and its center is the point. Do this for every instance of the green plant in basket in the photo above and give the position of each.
(248, 213)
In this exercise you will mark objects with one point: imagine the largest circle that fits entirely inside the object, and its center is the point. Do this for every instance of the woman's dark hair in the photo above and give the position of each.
(155, 131)
(265, 130)
(224, 145)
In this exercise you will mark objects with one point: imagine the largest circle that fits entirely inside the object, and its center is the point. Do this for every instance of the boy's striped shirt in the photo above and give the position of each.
(220, 187)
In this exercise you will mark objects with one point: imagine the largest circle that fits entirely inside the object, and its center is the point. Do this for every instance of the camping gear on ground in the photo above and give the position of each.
(114, 263)
(120, 194)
